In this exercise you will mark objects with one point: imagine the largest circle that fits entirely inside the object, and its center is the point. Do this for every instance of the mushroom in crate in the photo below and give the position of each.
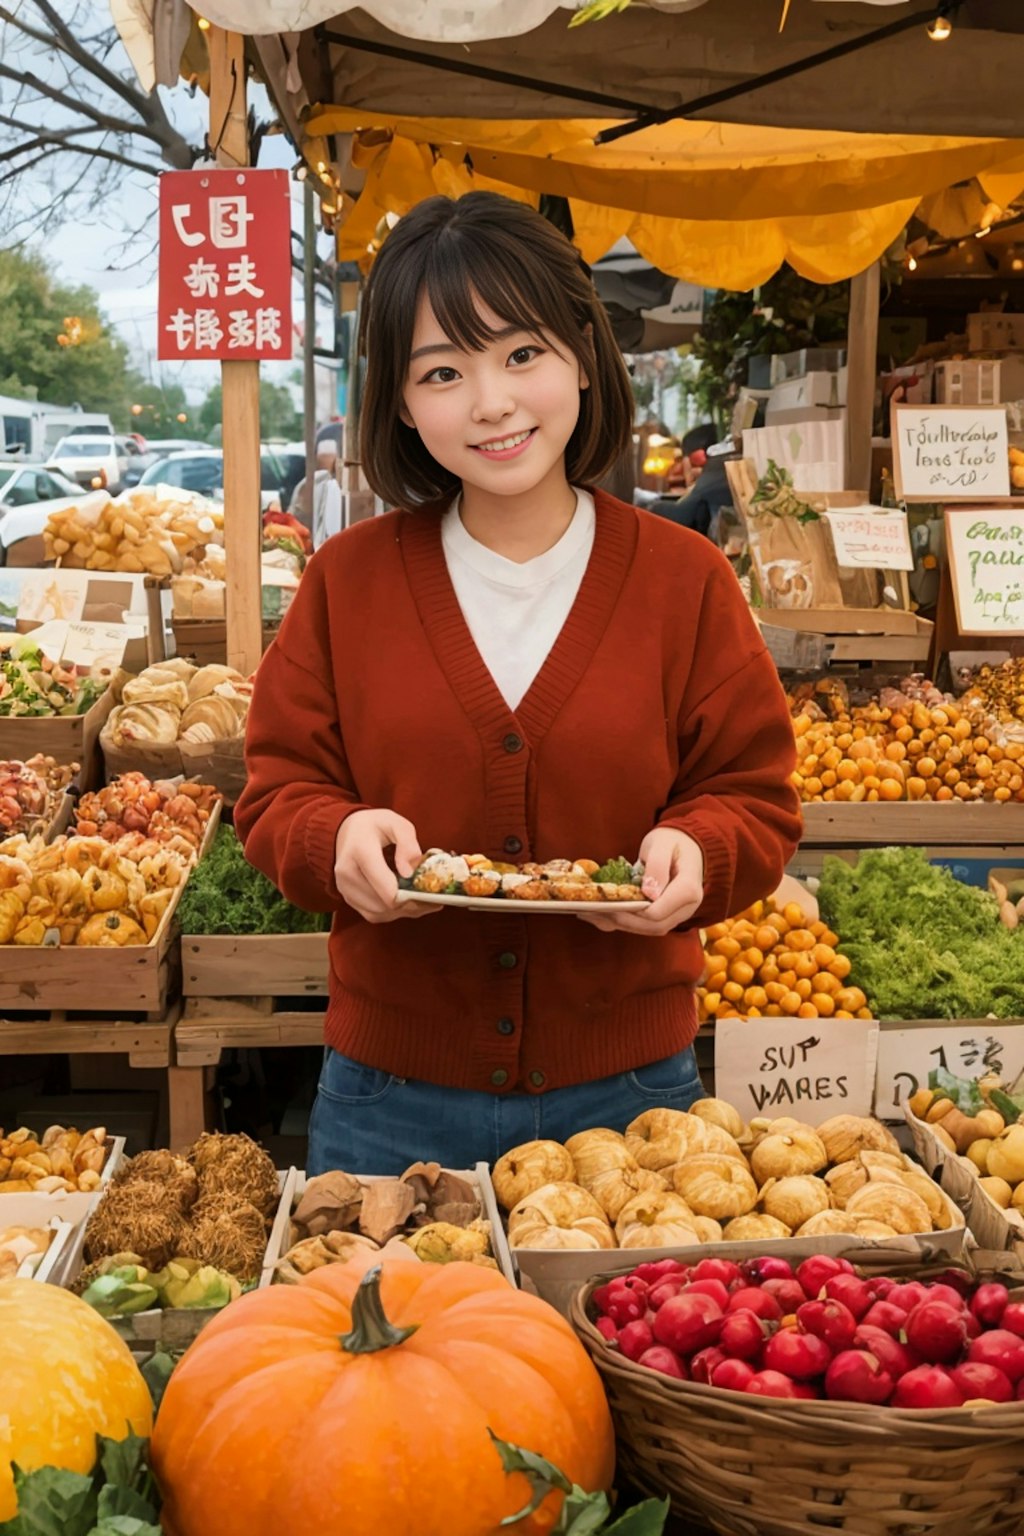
(429, 1213)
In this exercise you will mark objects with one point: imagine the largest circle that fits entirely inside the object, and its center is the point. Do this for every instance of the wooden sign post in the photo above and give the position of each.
(240, 385)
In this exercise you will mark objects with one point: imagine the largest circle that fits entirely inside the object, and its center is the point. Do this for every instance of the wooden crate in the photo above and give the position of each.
(219, 965)
(65, 738)
(846, 634)
(206, 640)
(970, 824)
(138, 979)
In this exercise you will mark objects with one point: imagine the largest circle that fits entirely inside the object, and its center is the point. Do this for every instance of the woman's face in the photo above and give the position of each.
(500, 418)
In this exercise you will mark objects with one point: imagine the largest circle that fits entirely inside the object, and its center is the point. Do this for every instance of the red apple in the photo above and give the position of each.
(788, 1293)
(800, 1355)
(743, 1335)
(813, 1272)
(947, 1294)
(828, 1320)
(761, 1303)
(853, 1293)
(716, 1269)
(661, 1269)
(606, 1328)
(705, 1362)
(635, 1338)
(713, 1288)
(658, 1358)
(908, 1295)
(1013, 1318)
(1001, 1348)
(894, 1356)
(937, 1332)
(977, 1380)
(857, 1376)
(927, 1386)
(733, 1375)
(775, 1384)
(888, 1316)
(769, 1267)
(687, 1323)
(663, 1290)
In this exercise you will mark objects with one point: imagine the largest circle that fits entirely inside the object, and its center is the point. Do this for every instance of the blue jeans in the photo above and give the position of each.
(368, 1121)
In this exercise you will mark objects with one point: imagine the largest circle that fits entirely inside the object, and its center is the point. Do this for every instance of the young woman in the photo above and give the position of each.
(514, 666)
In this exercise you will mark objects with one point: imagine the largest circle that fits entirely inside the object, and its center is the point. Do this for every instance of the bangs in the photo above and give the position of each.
(459, 275)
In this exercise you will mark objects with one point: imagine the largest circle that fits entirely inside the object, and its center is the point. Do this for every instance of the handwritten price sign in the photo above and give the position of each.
(986, 561)
(906, 1055)
(870, 538)
(951, 452)
(810, 1068)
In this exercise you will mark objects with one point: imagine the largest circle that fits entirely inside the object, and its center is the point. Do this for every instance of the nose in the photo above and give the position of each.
(493, 400)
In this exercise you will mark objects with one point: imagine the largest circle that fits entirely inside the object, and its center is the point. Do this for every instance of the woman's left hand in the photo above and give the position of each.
(673, 881)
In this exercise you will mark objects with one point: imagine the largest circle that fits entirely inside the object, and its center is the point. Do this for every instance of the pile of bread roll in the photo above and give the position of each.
(176, 701)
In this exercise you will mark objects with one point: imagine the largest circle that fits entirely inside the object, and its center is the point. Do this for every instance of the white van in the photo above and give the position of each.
(33, 428)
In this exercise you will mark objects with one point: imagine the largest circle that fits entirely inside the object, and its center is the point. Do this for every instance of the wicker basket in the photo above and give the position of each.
(768, 1467)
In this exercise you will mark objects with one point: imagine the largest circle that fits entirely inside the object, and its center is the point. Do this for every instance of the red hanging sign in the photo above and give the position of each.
(225, 265)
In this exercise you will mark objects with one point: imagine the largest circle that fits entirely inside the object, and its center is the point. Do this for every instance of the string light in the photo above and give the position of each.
(912, 263)
(941, 26)
(203, 24)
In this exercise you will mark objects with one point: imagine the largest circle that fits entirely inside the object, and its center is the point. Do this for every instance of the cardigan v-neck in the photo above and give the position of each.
(615, 540)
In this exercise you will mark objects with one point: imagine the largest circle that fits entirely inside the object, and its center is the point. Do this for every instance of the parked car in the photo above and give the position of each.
(203, 471)
(96, 462)
(28, 494)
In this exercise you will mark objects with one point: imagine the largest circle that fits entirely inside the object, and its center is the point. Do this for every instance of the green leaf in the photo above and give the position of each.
(124, 1503)
(124, 1525)
(156, 1372)
(583, 1514)
(123, 1462)
(646, 1519)
(52, 1502)
(541, 1475)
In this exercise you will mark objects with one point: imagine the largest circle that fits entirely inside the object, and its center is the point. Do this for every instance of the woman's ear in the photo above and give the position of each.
(404, 417)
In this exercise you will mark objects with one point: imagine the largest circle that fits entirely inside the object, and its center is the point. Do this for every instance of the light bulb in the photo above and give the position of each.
(202, 24)
(912, 263)
(940, 29)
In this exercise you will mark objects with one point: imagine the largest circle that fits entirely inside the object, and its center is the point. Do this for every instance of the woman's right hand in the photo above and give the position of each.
(361, 873)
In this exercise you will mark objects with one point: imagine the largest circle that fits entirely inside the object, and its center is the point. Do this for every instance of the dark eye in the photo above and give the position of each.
(524, 355)
(442, 375)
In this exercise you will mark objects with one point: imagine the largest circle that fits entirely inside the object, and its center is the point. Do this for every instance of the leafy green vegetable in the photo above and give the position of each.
(616, 872)
(922, 944)
(118, 1498)
(582, 1514)
(225, 894)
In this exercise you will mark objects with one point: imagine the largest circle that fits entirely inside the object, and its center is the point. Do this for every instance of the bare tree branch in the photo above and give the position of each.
(104, 119)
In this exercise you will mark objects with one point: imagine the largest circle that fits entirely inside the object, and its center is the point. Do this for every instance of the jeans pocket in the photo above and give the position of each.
(673, 1077)
(344, 1081)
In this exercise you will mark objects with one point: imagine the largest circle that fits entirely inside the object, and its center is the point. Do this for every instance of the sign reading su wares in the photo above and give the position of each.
(810, 1069)
(225, 265)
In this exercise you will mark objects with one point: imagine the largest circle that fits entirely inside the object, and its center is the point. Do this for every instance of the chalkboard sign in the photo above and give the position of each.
(808, 1068)
(985, 551)
(950, 452)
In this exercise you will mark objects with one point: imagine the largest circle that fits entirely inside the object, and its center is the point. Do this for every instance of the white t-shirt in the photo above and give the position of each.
(515, 611)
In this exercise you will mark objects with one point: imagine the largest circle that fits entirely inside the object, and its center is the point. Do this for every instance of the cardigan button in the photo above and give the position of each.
(499, 1077)
(513, 845)
(506, 1026)
(512, 742)
(508, 961)
(538, 1079)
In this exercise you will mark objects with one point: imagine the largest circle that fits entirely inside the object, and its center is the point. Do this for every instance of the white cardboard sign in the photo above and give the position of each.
(871, 538)
(950, 452)
(809, 1068)
(985, 551)
(907, 1054)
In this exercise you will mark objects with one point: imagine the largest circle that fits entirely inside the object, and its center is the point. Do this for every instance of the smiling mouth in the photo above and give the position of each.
(504, 444)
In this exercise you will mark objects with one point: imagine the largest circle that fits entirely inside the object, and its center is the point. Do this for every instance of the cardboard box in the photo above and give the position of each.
(958, 1178)
(71, 1208)
(479, 1177)
(17, 1211)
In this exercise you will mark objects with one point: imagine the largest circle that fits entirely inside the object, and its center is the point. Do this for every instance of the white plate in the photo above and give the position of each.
(505, 904)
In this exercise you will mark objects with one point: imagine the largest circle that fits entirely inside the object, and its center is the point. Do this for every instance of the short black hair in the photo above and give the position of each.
(703, 436)
(487, 248)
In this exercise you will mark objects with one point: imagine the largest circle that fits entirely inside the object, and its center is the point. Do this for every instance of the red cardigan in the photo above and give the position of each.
(657, 705)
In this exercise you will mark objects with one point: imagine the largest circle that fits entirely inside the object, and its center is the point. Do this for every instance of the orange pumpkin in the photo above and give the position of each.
(359, 1401)
(65, 1377)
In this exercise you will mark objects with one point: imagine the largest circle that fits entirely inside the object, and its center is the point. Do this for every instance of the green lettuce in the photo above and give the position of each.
(225, 894)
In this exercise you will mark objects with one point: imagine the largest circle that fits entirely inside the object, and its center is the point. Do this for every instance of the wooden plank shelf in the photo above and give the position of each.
(146, 1044)
(949, 823)
(218, 965)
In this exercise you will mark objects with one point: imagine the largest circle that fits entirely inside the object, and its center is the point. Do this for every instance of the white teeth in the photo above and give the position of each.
(505, 442)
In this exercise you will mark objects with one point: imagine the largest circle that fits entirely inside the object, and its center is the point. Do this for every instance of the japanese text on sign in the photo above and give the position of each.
(986, 562)
(225, 265)
(949, 453)
(906, 1056)
(870, 538)
(814, 1068)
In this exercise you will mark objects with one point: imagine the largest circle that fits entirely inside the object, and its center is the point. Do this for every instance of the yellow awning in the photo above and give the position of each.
(719, 204)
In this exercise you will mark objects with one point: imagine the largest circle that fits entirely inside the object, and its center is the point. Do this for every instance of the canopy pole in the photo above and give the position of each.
(240, 386)
(309, 343)
(862, 364)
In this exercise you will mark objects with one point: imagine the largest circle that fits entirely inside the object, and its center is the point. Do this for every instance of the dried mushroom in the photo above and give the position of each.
(387, 1206)
(316, 1252)
(330, 1202)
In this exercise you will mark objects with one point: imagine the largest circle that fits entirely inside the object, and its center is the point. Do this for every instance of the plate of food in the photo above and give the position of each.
(560, 885)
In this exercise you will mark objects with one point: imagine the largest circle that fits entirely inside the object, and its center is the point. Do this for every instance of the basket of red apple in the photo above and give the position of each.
(771, 1399)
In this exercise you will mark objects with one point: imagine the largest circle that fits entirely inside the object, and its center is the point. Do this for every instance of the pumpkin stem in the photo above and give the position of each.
(371, 1329)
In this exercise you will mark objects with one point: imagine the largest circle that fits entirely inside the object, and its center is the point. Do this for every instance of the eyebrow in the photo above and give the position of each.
(449, 346)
